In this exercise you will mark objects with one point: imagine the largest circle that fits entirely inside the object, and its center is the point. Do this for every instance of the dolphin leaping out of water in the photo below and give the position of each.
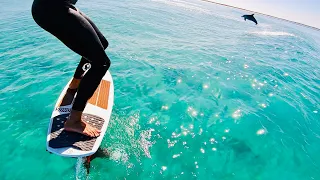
(250, 17)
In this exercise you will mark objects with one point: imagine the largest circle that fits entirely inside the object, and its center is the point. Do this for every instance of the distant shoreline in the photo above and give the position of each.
(318, 29)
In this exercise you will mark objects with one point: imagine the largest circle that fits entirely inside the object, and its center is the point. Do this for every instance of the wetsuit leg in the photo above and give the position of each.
(79, 71)
(75, 31)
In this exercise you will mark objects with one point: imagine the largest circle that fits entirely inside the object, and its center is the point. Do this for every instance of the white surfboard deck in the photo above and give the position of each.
(100, 109)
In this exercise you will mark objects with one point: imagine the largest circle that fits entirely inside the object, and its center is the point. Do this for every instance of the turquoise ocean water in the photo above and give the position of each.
(199, 94)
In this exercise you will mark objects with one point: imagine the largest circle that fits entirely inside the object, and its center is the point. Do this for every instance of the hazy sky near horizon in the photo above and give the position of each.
(302, 11)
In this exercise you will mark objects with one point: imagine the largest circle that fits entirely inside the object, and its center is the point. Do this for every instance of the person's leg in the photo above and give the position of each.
(102, 39)
(76, 32)
(79, 71)
(73, 86)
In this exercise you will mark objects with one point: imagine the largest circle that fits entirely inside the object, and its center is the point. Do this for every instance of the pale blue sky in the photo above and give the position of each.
(302, 11)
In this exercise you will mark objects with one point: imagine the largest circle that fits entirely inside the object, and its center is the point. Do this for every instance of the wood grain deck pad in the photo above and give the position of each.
(93, 99)
(101, 95)
(60, 138)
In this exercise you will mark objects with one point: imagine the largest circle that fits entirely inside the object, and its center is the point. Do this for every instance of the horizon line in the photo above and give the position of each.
(301, 24)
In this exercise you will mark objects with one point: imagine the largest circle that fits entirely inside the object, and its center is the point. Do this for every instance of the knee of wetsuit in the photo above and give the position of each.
(101, 68)
(107, 63)
(105, 43)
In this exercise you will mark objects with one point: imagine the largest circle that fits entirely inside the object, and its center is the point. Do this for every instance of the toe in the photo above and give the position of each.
(92, 134)
(88, 132)
(96, 134)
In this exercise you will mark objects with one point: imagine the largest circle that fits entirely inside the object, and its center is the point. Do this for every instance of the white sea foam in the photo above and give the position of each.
(145, 144)
(186, 5)
(119, 154)
(272, 33)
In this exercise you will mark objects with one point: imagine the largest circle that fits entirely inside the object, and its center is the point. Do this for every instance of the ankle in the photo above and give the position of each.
(74, 84)
(75, 116)
(72, 91)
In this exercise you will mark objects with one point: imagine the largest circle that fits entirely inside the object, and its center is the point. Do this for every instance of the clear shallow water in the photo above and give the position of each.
(199, 94)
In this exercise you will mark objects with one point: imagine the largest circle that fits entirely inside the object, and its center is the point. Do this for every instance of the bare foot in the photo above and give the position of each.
(76, 124)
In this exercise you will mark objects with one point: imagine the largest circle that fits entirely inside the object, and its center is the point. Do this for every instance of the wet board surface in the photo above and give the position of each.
(96, 113)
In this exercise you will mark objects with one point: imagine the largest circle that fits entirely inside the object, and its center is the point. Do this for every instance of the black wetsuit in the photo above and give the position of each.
(78, 32)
